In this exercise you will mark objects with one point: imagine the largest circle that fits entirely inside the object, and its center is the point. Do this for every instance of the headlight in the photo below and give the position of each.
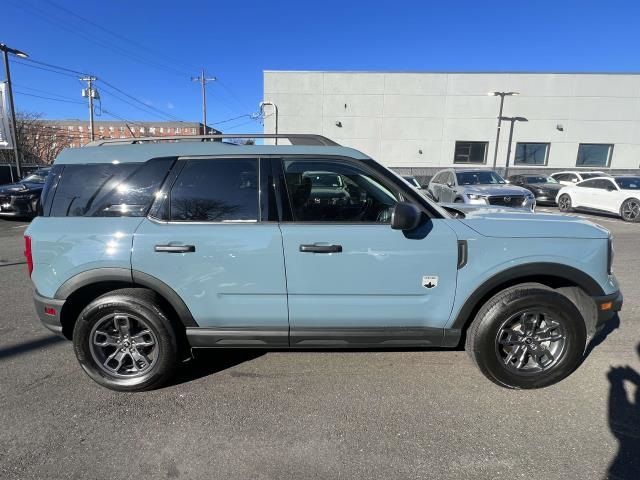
(473, 196)
(530, 196)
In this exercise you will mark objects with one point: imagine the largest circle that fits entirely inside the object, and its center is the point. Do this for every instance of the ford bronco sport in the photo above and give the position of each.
(145, 250)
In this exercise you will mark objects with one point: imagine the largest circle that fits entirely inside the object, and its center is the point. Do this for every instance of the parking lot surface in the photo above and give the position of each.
(371, 414)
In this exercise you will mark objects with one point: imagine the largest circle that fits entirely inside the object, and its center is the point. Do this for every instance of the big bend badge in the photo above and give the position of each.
(429, 281)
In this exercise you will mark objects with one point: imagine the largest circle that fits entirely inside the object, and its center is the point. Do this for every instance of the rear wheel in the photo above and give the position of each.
(564, 203)
(527, 336)
(630, 210)
(124, 341)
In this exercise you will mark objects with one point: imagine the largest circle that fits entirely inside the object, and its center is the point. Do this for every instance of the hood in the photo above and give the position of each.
(546, 186)
(497, 189)
(13, 188)
(519, 223)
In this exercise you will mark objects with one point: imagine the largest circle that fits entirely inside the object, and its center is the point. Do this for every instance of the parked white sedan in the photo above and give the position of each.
(573, 176)
(617, 194)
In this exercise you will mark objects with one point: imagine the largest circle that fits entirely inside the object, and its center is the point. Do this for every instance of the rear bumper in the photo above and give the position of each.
(48, 310)
(608, 306)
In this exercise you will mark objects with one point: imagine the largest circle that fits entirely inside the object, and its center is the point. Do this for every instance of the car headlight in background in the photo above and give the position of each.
(474, 196)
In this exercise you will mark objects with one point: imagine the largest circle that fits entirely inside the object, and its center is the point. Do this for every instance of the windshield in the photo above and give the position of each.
(479, 178)
(433, 204)
(628, 183)
(324, 179)
(37, 177)
(540, 179)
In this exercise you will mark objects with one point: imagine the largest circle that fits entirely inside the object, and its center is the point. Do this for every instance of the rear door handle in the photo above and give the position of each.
(315, 248)
(175, 248)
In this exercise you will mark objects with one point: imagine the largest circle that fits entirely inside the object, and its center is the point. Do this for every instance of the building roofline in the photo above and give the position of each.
(459, 72)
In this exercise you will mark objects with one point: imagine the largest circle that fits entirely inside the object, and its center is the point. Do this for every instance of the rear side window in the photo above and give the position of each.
(108, 189)
(216, 190)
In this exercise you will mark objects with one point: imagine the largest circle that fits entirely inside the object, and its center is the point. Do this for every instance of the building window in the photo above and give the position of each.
(121, 129)
(141, 129)
(111, 129)
(152, 130)
(470, 152)
(80, 128)
(594, 155)
(70, 129)
(193, 131)
(531, 154)
(161, 129)
(178, 130)
(101, 129)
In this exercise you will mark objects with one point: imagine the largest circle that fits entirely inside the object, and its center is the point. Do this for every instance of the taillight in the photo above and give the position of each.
(27, 253)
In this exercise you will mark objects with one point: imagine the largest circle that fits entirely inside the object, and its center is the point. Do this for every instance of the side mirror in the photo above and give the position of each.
(405, 216)
(450, 184)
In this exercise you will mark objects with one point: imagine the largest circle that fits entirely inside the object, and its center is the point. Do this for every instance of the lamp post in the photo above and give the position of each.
(501, 95)
(275, 107)
(513, 120)
(14, 127)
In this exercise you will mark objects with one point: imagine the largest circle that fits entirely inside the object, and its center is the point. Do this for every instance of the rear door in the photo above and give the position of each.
(352, 280)
(213, 242)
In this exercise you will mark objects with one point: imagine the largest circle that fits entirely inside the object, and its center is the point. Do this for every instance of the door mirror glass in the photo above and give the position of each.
(405, 216)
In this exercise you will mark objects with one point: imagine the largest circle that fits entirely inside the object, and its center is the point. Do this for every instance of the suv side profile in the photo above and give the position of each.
(145, 250)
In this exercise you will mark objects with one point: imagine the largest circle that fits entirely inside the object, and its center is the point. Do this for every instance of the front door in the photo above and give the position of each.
(352, 280)
(216, 248)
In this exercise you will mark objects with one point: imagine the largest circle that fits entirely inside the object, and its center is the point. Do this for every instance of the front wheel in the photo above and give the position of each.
(125, 342)
(630, 210)
(564, 203)
(527, 336)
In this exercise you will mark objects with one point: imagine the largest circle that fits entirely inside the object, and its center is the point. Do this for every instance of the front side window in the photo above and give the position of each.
(326, 191)
(539, 179)
(216, 190)
(470, 152)
(108, 190)
(531, 153)
(479, 178)
(594, 155)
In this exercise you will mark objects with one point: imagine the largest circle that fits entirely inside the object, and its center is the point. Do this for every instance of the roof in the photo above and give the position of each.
(133, 153)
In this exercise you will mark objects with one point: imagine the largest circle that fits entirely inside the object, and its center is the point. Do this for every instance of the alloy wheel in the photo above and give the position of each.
(631, 210)
(564, 203)
(123, 345)
(531, 342)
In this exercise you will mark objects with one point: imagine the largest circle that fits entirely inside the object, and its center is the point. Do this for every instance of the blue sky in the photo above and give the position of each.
(149, 49)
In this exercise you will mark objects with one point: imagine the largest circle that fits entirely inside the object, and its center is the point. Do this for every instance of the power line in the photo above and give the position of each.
(18, 62)
(151, 107)
(75, 72)
(48, 98)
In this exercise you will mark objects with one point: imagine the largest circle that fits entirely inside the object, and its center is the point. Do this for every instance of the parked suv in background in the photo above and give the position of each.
(571, 177)
(146, 250)
(478, 187)
(544, 188)
(21, 199)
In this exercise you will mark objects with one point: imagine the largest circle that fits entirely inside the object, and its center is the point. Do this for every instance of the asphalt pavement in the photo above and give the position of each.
(299, 415)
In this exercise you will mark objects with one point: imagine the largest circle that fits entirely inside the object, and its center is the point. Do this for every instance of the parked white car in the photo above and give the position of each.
(617, 194)
(571, 177)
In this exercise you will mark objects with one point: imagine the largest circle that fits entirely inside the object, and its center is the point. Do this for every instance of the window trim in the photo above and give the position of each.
(486, 150)
(609, 156)
(532, 165)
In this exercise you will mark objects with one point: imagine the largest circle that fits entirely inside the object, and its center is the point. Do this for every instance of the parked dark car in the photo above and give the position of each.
(21, 199)
(544, 187)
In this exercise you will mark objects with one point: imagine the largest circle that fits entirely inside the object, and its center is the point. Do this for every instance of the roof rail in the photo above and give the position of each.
(294, 138)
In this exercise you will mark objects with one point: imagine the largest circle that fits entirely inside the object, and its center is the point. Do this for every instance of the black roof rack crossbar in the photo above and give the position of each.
(294, 138)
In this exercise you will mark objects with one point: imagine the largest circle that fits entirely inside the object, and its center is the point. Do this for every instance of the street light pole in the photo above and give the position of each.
(275, 107)
(12, 111)
(501, 95)
(513, 120)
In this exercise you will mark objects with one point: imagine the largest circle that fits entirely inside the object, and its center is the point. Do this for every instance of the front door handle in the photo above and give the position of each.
(175, 248)
(315, 248)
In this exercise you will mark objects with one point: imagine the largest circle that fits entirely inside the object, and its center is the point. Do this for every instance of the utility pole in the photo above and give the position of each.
(90, 93)
(12, 111)
(203, 80)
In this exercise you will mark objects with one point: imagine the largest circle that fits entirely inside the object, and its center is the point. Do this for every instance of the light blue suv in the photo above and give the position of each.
(145, 250)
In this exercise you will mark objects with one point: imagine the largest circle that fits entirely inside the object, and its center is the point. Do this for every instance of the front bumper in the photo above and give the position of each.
(48, 310)
(607, 306)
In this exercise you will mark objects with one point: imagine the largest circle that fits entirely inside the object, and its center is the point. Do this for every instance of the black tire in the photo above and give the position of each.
(492, 357)
(564, 203)
(630, 210)
(157, 361)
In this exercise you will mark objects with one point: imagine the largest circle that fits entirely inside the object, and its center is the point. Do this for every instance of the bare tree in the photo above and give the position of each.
(38, 142)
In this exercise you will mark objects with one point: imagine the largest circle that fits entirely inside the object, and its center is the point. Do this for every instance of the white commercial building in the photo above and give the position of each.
(426, 121)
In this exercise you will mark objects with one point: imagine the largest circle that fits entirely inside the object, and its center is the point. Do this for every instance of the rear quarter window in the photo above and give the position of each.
(107, 189)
